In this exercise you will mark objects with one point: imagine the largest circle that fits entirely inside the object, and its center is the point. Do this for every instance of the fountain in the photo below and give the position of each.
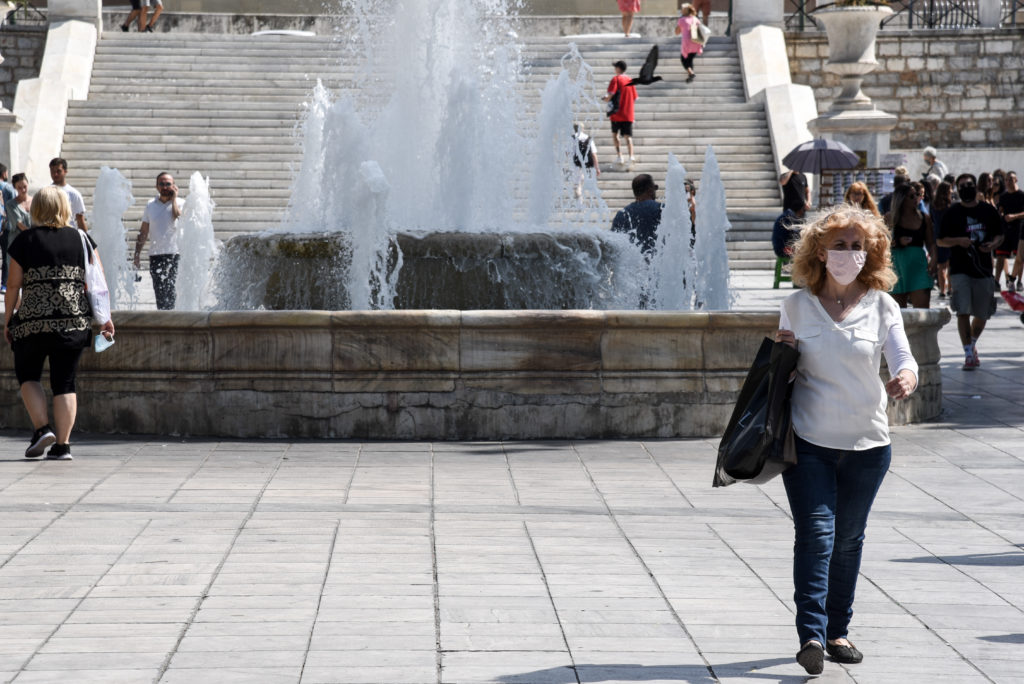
(436, 186)
(429, 203)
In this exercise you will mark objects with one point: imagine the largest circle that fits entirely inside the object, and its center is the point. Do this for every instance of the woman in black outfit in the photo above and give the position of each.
(50, 319)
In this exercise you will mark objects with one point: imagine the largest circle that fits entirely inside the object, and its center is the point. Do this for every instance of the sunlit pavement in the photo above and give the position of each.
(151, 559)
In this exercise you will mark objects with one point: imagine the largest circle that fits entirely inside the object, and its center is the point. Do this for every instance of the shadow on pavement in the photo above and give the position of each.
(1007, 559)
(685, 674)
(1004, 638)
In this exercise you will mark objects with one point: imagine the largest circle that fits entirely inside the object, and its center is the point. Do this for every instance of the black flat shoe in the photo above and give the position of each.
(811, 657)
(842, 653)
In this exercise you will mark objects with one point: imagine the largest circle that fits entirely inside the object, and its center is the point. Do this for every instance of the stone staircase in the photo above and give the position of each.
(227, 106)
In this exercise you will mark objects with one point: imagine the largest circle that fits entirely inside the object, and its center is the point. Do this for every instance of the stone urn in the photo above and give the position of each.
(851, 48)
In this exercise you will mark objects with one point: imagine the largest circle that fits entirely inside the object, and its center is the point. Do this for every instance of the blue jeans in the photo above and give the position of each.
(830, 495)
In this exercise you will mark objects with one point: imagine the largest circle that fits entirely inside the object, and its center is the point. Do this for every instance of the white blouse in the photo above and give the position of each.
(839, 399)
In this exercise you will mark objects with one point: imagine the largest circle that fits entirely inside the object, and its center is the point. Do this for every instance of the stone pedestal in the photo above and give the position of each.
(749, 13)
(853, 118)
(80, 10)
(865, 131)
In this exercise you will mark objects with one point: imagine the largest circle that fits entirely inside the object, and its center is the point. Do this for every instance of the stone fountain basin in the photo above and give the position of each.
(438, 375)
(568, 269)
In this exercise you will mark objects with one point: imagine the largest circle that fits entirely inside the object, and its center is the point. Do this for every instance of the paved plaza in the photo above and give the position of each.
(154, 559)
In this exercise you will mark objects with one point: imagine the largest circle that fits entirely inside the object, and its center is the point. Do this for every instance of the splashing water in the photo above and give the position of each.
(111, 198)
(436, 137)
(712, 281)
(673, 267)
(199, 248)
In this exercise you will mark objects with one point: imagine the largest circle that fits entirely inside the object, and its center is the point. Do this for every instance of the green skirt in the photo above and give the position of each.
(911, 265)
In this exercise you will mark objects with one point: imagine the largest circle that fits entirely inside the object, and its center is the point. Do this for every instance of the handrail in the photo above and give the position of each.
(913, 14)
(28, 12)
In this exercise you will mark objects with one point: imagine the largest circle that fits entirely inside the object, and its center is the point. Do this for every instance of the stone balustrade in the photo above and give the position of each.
(433, 374)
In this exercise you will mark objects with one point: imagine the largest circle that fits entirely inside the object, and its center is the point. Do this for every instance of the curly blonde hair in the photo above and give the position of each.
(809, 270)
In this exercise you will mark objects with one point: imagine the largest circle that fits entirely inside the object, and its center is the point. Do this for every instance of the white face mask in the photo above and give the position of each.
(845, 265)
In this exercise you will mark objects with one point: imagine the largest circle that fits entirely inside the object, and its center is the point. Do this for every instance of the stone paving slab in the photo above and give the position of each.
(188, 561)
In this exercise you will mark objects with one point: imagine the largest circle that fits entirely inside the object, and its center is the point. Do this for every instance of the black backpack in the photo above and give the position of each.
(581, 157)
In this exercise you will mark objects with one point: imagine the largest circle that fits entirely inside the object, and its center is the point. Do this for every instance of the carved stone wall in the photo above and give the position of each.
(949, 88)
(433, 374)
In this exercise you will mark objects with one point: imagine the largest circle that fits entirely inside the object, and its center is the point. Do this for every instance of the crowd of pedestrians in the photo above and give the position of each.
(49, 263)
(959, 234)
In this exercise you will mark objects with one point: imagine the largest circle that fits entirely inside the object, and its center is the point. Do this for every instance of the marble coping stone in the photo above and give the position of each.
(439, 374)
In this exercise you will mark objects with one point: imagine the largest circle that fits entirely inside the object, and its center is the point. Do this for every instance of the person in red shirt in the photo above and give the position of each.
(622, 117)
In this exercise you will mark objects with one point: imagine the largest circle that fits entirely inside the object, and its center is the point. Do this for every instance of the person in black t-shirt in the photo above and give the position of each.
(971, 229)
(1011, 206)
(795, 191)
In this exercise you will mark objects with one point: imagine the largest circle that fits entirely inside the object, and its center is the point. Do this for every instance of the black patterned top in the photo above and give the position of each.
(53, 299)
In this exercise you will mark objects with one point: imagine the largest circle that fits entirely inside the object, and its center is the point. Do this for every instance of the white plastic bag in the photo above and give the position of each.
(95, 285)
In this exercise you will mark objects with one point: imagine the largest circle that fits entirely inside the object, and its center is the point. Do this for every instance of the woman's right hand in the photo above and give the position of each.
(786, 337)
(107, 329)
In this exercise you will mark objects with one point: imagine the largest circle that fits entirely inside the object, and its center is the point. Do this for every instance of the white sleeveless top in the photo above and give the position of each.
(839, 400)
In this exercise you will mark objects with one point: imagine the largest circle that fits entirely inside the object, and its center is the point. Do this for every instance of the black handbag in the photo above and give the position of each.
(612, 106)
(754, 446)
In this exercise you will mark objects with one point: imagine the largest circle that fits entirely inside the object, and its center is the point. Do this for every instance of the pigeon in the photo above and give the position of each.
(647, 76)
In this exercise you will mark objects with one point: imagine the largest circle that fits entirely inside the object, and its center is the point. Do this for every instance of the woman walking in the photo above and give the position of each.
(842, 321)
(859, 196)
(688, 47)
(628, 9)
(50, 319)
(17, 217)
(942, 202)
(912, 236)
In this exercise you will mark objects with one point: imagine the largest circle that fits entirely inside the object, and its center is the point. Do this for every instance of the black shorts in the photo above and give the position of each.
(136, 4)
(623, 127)
(31, 352)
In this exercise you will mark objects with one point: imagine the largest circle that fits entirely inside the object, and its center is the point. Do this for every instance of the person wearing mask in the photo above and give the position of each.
(913, 247)
(1011, 207)
(940, 205)
(47, 317)
(842, 321)
(972, 229)
(932, 163)
(859, 196)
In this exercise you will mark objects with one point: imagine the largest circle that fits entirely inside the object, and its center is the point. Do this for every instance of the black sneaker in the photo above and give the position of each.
(59, 452)
(149, 29)
(41, 438)
(124, 27)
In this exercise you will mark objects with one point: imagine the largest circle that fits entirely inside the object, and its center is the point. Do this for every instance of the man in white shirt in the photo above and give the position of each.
(161, 217)
(58, 172)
